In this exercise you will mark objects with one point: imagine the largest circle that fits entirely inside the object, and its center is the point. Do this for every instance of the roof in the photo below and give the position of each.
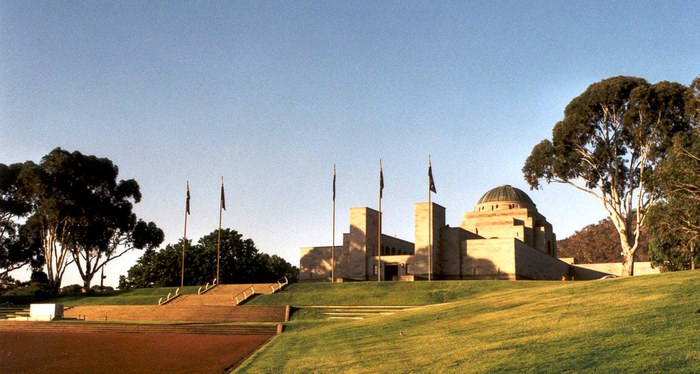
(506, 193)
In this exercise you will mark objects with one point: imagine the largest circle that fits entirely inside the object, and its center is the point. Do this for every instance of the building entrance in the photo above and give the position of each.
(390, 271)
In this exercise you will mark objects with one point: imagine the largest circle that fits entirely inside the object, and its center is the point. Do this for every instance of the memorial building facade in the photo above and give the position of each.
(504, 237)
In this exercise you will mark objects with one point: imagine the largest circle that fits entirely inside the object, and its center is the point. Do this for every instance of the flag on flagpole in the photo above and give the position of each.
(333, 182)
(223, 199)
(187, 202)
(430, 176)
(381, 180)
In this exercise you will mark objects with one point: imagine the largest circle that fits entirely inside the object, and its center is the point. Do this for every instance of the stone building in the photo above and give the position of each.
(504, 237)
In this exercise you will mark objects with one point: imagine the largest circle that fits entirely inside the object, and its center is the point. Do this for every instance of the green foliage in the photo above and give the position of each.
(693, 101)
(35, 290)
(632, 325)
(155, 269)
(675, 223)
(16, 247)
(609, 144)
(97, 288)
(73, 289)
(599, 242)
(240, 262)
(78, 213)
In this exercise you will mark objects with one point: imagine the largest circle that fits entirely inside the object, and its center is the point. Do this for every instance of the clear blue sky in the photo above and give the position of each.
(270, 95)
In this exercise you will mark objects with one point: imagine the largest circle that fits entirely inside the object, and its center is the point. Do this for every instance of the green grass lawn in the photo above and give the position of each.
(388, 293)
(139, 296)
(645, 324)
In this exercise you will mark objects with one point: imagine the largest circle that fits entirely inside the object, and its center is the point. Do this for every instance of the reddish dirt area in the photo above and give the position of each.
(107, 352)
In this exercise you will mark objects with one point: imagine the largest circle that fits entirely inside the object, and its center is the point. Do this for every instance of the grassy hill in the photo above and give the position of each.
(632, 325)
(139, 296)
(388, 293)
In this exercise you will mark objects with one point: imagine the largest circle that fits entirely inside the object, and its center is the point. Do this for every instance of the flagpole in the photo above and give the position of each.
(333, 242)
(430, 228)
(379, 235)
(218, 247)
(184, 237)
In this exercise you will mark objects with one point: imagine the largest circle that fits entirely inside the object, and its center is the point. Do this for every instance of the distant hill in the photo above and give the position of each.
(598, 242)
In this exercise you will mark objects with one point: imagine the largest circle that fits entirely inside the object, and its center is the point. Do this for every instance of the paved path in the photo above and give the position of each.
(106, 352)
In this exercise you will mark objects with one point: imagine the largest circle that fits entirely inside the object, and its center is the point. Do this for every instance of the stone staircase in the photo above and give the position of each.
(190, 328)
(217, 304)
(14, 312)
(178, 313)
(358, 311)
(221, 295)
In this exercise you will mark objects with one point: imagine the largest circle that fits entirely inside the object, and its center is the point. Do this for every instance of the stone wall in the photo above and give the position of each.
(534, 264)
(190, 314)
(452, 251)
(315, 263)
(421, 226)
(524, 224)
(396, 246)
(401, 260)
(488, 259)
(496, 224)
(597, 271)
(364, 230)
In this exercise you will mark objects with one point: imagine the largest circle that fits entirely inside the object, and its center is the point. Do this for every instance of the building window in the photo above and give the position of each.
(408, 268)
(375, 269)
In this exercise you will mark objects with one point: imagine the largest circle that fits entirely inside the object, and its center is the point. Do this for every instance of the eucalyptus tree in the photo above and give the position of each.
(16, 247)
(81, 213)
(675, 223)
(47, 186)
(608, 145)
(107, 230)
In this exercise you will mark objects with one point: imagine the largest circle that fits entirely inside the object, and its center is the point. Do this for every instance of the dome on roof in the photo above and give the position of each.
(506, 193)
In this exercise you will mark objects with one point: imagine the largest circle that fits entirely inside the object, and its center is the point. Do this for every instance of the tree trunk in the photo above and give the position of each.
(86, 283)
(627, 263)
(623, 229)
(692, 255)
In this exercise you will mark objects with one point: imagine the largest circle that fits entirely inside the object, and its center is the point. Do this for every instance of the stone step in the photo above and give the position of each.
(357, 314)
(394, 307)
(178, 313)
(362, 310)
(142, 329)
(9, 312)
(359, 311)
(223, 294)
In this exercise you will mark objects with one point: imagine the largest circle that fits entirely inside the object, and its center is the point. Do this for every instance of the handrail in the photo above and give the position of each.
(169, 298)
(245, 294)
(280, 284)
(250, 291)
(207, 287)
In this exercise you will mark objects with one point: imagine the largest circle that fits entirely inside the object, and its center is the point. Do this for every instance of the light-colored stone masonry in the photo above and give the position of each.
(423, 234)
(499, 239)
